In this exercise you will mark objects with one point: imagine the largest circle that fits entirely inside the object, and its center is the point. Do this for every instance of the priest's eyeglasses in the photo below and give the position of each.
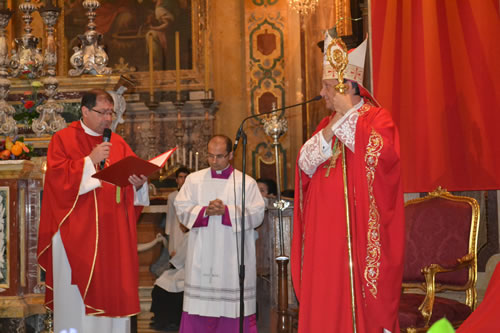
(217, 157)
(104, 113)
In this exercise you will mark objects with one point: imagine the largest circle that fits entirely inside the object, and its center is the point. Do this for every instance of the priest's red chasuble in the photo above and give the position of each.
(98, 228)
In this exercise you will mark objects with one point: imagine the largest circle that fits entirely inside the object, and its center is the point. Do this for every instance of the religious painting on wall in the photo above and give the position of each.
(126, 25)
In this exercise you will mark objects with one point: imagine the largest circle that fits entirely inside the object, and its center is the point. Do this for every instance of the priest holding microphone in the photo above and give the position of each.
(87, 242)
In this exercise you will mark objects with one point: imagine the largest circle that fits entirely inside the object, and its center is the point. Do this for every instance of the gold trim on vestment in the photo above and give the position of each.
(373, 247)
(95, 250)
(97, 311)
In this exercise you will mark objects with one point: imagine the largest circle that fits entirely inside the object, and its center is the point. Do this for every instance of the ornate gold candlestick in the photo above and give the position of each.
(179, 129)
(50, 119)
(206, 130)
(90, 57)
(27, 57)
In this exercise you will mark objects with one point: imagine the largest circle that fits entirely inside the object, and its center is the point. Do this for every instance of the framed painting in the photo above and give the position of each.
(126, 26)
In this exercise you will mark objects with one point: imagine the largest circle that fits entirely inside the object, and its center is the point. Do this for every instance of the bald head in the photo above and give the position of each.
(222, 139)
(219, 152)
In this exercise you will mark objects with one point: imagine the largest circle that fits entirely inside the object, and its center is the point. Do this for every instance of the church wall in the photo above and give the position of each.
(228, 59)
(256, 63)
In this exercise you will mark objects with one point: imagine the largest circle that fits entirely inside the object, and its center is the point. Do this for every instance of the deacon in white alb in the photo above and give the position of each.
(209, 204)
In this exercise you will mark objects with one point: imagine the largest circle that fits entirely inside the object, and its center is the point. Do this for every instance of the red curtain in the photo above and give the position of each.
(436, 67)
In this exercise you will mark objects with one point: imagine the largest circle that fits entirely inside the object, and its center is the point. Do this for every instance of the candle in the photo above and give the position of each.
(190, 159)
(206, 64)
(151, 68)
(44, 170)
(184, 156)
(196, 161)
(177, 67)
(178, 155)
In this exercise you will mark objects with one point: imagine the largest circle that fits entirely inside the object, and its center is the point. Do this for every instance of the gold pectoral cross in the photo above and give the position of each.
(336, 150)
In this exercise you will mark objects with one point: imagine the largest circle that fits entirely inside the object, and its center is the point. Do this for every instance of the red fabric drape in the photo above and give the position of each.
(436, 67)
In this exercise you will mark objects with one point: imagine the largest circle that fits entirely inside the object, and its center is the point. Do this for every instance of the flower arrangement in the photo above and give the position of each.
(15, 149)
(30, 100)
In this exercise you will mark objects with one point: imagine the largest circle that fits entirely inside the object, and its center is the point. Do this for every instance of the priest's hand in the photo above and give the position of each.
(327, 131)
(215, 207)
(100, 152)
(137, 181)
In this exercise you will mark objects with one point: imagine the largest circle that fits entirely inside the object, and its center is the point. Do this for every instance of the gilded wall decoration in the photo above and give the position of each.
(266, 63)
(264, 163)
(266, 87)
(264, 3)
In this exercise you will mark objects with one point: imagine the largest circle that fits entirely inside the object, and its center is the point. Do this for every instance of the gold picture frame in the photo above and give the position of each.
(192, 78)
(192, 71)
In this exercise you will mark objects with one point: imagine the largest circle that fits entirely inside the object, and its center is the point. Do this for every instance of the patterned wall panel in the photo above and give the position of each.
(266, 63)
(266, 25)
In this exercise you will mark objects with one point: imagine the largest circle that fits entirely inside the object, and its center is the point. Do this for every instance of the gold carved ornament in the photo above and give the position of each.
(338, 59)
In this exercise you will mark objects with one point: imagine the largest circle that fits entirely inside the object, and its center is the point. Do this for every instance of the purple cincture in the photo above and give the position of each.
(202, 220)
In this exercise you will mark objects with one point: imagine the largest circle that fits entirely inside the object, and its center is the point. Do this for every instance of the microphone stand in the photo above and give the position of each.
(275, 128)
(282, 259)
(242, 261)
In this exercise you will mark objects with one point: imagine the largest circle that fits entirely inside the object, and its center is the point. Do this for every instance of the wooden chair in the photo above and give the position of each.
(440, 256)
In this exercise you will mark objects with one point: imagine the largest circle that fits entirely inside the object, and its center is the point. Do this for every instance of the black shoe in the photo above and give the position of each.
(170, 328)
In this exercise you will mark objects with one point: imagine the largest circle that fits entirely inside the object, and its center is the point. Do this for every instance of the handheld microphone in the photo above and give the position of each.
(240, 130)
(106, 137)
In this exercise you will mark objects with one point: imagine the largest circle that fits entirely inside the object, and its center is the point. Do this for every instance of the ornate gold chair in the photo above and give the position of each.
(440, 256)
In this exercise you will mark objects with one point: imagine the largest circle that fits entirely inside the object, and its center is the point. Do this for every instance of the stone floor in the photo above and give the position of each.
(143, 321)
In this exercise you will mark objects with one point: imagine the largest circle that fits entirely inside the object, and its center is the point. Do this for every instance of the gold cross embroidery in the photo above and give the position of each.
(333, 160)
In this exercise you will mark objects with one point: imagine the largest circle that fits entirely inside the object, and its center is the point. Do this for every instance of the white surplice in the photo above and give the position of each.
(212, 284)
(172, 228)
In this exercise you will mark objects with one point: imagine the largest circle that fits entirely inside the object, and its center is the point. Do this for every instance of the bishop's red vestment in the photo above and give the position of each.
(98, 228)
(319, 258)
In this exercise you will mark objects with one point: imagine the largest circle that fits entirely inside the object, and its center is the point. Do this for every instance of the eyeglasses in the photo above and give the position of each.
(105, 113)
(217, 157)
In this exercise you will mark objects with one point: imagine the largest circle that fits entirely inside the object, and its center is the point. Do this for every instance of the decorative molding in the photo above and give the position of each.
(4, 237)
(22, 235)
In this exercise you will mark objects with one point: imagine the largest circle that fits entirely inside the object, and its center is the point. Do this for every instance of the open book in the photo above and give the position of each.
(119, 172)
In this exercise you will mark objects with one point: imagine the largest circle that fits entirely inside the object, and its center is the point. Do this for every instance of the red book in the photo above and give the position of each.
(119, 172)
